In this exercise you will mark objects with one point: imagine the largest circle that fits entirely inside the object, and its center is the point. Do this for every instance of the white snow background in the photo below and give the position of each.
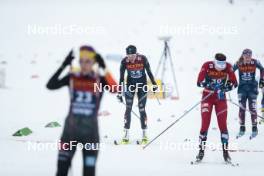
(115, 24)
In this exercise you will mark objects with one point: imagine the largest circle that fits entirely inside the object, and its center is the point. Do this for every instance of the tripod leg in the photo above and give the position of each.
(159, 64)
(164, 61)
(173, 71)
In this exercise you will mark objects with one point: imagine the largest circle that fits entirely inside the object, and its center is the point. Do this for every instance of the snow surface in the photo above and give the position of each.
(26, 101)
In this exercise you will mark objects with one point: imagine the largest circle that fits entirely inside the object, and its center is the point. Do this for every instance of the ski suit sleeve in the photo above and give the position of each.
(235, 67)
(109, 81)
(202, 75)
(148, 69)
(56, 83)
(122, 72)
(261, 69)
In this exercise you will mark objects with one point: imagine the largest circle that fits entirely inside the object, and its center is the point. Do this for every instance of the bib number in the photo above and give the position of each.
(83, 103)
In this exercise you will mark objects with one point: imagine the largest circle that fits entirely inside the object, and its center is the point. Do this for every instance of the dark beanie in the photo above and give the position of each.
(220, 57)
(131, 49)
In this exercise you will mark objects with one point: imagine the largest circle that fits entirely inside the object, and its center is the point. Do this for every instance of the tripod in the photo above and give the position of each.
(166, 55)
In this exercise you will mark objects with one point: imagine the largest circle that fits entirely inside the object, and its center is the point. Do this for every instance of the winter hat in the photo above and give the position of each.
(247, 52)
(87, 52)
(131, 49)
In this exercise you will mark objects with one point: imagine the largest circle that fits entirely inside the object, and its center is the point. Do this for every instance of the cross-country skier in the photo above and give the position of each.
(81, 124)
(216, 77)
(135, 64)
(248, 89)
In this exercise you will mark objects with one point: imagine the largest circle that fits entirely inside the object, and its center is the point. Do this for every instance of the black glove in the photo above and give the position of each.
(261, 83)
(119, 97)
(228, 86)
(68, 59)
(207, 84)
(100, 61)
(201, 84)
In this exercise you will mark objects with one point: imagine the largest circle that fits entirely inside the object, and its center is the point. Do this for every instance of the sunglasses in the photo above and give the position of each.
(220, 64)
(131, 55)
(247, 54)
(86, 61)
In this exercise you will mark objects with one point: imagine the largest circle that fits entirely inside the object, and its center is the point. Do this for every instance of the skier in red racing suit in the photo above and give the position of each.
(216, 77)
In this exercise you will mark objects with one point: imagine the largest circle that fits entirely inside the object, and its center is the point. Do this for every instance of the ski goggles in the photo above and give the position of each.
(220, 64)
(87, 55)
(86, 61)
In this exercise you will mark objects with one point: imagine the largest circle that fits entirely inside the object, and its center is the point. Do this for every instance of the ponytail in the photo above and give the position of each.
(240, 60)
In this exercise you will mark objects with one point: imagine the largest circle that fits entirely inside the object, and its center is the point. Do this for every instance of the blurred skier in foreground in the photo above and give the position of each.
(248, 89)
(135, 64)
(217, 78)
(81, 125)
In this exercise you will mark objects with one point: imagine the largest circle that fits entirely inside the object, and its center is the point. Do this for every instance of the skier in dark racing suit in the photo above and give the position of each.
(135, 64)
(248, 89)
(81, 124)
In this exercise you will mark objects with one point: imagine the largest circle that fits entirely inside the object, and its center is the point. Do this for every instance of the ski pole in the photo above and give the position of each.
(133, 112)
(184, 114)
(142, 98)
(245, 109)
(157, 98)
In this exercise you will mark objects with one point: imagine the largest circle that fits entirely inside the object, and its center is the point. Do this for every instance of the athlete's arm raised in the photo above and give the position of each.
(55, 82)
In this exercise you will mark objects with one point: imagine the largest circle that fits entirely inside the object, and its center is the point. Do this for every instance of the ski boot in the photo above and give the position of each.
(200, 156)
(254, 132)
(144, 140)
(125, 139)
(202, 139)
(242, 131)
(226, 155)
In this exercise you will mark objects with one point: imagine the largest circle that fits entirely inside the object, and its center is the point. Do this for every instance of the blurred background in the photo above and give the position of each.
(36, 35)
